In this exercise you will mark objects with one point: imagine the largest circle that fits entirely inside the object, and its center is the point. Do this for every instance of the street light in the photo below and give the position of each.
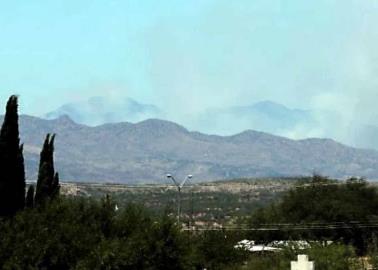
(179, 187)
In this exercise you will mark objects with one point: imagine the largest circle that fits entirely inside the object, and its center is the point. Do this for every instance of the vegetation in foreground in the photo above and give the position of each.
(12, 168)
(86, 234)
(81, 233)
(48, 231)
(323, 210)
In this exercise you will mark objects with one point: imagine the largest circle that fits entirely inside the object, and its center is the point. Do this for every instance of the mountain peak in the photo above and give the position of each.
(100, 110)
(162, 124)
(65, 119)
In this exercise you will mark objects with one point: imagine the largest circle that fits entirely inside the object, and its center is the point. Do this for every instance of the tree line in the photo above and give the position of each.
(12, 168)
(322, 210)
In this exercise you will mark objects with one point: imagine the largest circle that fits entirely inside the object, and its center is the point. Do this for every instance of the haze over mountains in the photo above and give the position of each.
(265, 116)
(146, 151)
(102, 110)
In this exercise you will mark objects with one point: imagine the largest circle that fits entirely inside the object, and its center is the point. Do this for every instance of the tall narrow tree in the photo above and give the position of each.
(55, 187)
(12, 171)
(29, 201)
(48, 180)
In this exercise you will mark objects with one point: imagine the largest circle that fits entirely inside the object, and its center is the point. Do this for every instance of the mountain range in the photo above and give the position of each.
(145, 151)
(100, 110)
(266, 116)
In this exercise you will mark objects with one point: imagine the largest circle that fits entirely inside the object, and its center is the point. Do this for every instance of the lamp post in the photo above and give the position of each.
(179, 187)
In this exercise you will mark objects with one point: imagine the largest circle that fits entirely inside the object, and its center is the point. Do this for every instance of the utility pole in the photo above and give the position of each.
(179, 187)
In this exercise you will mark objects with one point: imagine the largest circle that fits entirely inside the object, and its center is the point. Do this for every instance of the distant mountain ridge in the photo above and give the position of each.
(266, 116)
(146, 151)
(101, 110)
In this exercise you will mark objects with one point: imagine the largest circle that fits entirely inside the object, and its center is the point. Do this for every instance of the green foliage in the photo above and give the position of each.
(48, 180)
(373, 252)
(323, 202)
(80, 233)
(12, 172)
(55, 186)
(29, 201)
(215, 250)
(276, 261)
(333, 257)
(200, 203)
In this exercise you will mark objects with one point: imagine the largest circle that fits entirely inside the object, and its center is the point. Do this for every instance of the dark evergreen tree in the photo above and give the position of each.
(12, 172)
(48, 181)
(20, 175)
(29, 201)
(55, 187)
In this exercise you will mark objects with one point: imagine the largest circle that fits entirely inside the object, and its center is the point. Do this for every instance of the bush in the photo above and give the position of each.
(85, 234)
(78, 233)
(346, 205)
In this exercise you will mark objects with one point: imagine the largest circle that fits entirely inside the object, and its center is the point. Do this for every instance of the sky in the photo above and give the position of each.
(188, 56)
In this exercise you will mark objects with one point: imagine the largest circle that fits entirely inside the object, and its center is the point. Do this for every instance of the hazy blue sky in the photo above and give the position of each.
(187, 56)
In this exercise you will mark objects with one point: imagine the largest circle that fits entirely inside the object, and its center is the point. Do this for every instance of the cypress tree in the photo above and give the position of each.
(12, 171)
(48, 181)
(55, 187)
(20, 170)
(29, 201)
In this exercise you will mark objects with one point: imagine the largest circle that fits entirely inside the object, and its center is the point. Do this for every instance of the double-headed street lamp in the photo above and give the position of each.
(179, 187)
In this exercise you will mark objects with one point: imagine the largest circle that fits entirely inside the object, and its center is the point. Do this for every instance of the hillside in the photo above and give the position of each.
(146, 151)
(265, 116)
